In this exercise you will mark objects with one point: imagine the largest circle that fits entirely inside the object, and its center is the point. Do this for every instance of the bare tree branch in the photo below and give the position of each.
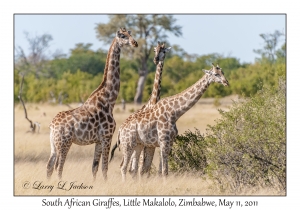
(32, 125)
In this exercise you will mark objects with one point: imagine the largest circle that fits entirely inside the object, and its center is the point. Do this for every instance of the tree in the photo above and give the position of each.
(147, 29)
(269, 51)
(36, 60)
(85, 59)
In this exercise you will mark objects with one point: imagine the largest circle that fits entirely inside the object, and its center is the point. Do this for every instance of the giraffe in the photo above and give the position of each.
(156, 127)
(92, 122)
(160, 52)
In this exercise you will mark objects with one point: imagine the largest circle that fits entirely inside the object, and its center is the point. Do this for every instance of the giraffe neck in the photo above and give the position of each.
(155, 95)
(182, 102)
(108, 90)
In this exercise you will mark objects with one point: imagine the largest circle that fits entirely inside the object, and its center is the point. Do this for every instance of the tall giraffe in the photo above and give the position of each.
(156, 127)
(160, 51)
(93, 122)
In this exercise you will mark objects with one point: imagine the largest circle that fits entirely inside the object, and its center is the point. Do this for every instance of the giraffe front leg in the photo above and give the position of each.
(105, 155)
(62, 158)
(96, 160)
(160, 167)
(165, 148)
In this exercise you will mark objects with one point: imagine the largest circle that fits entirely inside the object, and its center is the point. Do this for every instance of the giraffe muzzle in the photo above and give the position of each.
(225, 83)
(134, 43)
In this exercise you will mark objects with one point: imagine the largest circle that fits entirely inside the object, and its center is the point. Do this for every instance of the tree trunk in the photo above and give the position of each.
(141, 83)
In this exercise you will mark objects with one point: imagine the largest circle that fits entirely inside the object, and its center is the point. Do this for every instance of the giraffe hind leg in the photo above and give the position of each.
(105, 155)
(135, 157)
(127, 152)
(53, 157)
(56, 162)
(65, 143)
(50, 165)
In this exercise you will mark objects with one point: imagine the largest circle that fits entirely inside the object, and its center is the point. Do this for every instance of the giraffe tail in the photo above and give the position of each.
(114, 148)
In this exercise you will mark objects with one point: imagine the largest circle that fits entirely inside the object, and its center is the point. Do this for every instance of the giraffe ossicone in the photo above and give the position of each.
(93, 121)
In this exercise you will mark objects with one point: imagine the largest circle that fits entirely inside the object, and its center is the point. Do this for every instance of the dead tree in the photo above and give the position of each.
(33, 126)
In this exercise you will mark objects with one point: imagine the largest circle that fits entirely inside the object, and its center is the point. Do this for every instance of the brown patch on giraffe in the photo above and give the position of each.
(102, 116)
(117, 74)
(162, 110)
(85, 134)
(90, 126)
(105, 125)
(82, 126)
(92, 120)
(186, 95)
(162, 118)
(105, 109)
(156, 114)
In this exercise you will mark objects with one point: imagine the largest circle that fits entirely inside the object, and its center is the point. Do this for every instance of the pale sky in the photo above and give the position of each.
(229, 35)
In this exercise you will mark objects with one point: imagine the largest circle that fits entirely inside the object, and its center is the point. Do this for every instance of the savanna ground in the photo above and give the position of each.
(31, 153)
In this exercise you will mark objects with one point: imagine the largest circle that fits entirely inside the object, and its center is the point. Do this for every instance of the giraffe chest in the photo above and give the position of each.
(153, 134)
(92, 130)
(148, 134)
(85, 133)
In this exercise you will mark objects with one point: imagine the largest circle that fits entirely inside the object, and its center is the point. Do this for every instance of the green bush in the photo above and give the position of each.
(246, 147)
(188, 153)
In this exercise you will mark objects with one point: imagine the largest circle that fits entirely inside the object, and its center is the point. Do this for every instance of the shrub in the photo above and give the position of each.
(188, 153)
(247, 146)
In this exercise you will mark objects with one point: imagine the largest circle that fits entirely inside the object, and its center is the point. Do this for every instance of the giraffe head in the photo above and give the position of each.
(216, 74)
(160, 51)
(124, 38)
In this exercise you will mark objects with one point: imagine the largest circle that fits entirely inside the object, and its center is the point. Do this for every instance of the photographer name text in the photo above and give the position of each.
(109, 203)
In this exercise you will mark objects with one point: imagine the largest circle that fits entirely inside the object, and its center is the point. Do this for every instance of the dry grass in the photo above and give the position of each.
(31, 152)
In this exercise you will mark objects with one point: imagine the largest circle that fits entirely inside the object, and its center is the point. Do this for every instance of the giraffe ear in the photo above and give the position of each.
(168, 49)
(129, 32)
(118, 33)
(206, 72)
